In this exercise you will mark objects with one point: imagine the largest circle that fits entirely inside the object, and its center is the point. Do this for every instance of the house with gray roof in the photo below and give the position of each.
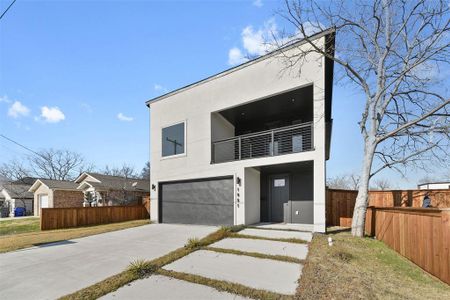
(107, 190)
(55, 193)
(89, 189)
(15, 194)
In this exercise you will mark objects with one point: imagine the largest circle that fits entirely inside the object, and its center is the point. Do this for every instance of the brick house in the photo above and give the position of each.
(103, 190)
(55, 194)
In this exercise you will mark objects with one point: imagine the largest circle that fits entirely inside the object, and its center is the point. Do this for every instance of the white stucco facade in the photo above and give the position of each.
(196, 106)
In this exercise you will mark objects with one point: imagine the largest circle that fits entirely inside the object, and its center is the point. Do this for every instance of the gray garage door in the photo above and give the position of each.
(205, 202)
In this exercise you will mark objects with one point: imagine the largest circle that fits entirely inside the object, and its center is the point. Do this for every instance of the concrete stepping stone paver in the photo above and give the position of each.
(276, 276)
(165, 288)
(264, 247)
(277, 234)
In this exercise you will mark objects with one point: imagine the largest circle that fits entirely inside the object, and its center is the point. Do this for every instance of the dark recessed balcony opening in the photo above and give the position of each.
(276, 125)
(294, 107)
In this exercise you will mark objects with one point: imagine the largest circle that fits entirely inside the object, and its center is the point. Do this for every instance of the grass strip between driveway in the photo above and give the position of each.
(253, 237)
(224, 286)
(141, 269)
(257, 255)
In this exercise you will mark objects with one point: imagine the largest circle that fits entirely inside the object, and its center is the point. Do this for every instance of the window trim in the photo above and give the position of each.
(184, 122)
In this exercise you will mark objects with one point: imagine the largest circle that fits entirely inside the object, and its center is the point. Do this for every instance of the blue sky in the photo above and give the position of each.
(82, 71)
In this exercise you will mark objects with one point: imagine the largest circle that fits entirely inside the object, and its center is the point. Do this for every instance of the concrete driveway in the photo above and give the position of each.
(54, 270)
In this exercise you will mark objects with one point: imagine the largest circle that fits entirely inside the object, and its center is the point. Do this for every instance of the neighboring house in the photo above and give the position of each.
(104, 190)
(109, 190)
(443, 185)
(15, 194)
(247, 145)
(55, 194)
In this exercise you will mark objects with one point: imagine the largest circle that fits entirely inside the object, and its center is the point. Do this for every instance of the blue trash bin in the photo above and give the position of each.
(19, 212)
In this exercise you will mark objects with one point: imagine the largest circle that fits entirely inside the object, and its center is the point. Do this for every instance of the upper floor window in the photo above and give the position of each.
(173, 140)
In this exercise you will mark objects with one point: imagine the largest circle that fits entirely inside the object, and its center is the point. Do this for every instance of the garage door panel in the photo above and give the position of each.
(207, 192)
(205, 202)
(189, 213)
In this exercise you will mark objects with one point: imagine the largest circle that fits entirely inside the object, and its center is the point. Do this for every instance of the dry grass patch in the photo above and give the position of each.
(244, 236)
(19, 241)
(257, 255)
(365, 268)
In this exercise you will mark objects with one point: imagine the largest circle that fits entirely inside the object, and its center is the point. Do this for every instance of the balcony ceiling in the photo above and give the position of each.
(279, 110)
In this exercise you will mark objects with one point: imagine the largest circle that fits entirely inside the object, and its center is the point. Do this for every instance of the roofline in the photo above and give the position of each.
(32, 190)
(83, 183)
(241, 66)
(436, 182)
(31, 187)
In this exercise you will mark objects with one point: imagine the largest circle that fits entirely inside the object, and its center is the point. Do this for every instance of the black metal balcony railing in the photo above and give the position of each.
(285, 140)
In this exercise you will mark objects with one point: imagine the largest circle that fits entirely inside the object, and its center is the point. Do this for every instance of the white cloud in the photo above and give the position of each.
(17, 109)
(235, 56)
(254, 42)
(258, 3)
(260, 41)
(52, 114)
(159, 88)
(265, 39)
(124, 118)
(5, 99)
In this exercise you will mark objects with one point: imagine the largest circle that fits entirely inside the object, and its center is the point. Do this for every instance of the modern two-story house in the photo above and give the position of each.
(247, 145)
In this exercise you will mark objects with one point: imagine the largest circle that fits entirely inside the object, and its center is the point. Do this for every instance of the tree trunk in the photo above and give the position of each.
(359, 212)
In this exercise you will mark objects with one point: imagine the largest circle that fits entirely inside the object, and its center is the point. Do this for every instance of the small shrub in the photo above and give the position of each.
(193, 243)
(141, 268)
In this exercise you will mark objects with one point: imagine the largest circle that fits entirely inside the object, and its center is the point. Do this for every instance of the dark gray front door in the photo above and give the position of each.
(279, 197)
(205, 201)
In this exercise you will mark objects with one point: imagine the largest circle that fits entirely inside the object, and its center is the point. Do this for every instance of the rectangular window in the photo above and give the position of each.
(173, 142)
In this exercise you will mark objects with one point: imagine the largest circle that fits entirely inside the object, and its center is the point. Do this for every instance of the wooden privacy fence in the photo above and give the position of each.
(422, 235)
(58, 218)
(146, 203)
(340, 203)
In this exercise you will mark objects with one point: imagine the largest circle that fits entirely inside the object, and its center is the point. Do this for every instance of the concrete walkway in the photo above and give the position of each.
(165, 288)
(265, 274)
(54, 270)
(264, 247)
(258, 273)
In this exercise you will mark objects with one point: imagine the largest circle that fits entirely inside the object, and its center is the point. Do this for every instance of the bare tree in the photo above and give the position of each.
(394, 52)
(145, 173)
(58, 164)
(126, 171)
(381, 184)
(48, 163)
(346, 181)
(14, 170)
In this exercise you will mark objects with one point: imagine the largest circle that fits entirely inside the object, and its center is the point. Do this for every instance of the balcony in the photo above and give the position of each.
(279, 141)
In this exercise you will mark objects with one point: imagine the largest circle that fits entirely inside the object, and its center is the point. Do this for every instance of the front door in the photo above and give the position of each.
(279, 197)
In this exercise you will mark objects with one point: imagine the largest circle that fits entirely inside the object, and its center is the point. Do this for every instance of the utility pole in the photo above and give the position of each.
(175, 144)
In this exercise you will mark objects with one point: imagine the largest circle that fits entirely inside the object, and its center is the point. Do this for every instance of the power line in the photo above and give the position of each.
(6, 10)
(19, 144)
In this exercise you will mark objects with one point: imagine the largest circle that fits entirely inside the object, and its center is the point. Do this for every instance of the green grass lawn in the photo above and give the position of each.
(19, 225)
